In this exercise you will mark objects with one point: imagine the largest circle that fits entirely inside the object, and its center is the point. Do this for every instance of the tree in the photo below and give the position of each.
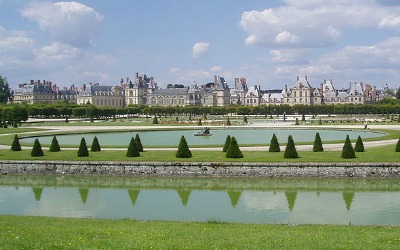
(138, 143)
(233, 149)
(133, 150)
(183, 149)
(398, 146)
(15, 146)
(290, 151)
(274, 145)
(245, 120)
(95, 145)
(5, 91)
(303, 118)
(317, 144)
(348, 151)
(359, 147)
(37, 149)
(155, 120)
(227, 142)
(228, 122)
(83, 151)
(54, 147)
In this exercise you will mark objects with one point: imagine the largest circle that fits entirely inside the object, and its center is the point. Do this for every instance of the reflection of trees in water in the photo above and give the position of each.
(83, 192)
(348, 199)
(184, 194)
(37, 192)
(133, 195)
(291, 198)
(234, 196)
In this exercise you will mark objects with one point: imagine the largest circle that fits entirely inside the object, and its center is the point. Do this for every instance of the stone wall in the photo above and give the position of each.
(202, 169)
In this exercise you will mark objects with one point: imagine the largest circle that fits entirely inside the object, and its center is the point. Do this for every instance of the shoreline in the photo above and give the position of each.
(204, 169)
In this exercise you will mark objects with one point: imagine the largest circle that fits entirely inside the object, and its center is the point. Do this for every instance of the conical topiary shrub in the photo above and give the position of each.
(183, 149)
(95, 145)
(359, 147)
(133, 150)
(348, 151)
(227, 142)
(54, 147)
(15, 146)
(37, 149)
(317, 144)
(274, 145)
(398, 146)
(155, 120)
(138, 143)
(83, 151)
(233, 149)
(228, 122)
(290, 150)
(297, 121)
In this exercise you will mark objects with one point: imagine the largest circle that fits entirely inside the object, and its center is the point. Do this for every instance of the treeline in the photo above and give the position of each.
(14, 114)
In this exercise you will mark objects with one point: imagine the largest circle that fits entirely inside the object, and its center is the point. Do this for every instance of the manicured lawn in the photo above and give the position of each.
(19, 232)
(377, 154)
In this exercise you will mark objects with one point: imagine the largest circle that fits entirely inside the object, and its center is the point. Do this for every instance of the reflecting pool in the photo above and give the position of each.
(172, 137)
(297, 201)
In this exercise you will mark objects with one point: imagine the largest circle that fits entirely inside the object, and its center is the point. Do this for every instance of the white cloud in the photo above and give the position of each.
(56, 52)
(314, 23)
(390, 22)
(200, 49)
(216, 69)
(68, 22)
(174, 70)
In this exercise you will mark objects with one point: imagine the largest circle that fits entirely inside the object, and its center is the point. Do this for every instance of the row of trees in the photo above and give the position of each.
(16, 113)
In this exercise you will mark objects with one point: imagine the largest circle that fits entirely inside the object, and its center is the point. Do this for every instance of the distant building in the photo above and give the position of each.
(302, 93)
(43, 91)
(98, 95)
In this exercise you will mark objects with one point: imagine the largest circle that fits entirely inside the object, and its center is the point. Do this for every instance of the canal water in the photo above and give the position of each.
(248, 135)
(251, 200)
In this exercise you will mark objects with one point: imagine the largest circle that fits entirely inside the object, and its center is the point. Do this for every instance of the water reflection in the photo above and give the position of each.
(310, 201)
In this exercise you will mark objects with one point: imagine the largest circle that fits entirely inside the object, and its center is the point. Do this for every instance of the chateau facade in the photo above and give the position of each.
(143, 90)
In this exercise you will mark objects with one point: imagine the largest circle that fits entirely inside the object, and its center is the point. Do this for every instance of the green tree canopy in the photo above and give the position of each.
(318, 143)
(233, 149)
(37, 149)
(348, 150)
(83, 151)
(274, 145)
(5, 91)
(133, 150)
(359, 147)
(54, 147)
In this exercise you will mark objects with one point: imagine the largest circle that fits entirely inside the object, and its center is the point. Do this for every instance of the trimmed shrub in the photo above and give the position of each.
(245, 119)
(317, 143)
(15, 146)
(54, 147)
(348, 151)
(274, 145)
(199, 123)
(233, 149)
(138, 143)
(228, 122)
(398, 146)
(290, 150)
(297, 121)
(37, 149)
(183, 149)
(303, 118)
(133, 150)
(83, 150)
(227, 142)
(95, 145)
(155, 120)
(319, 121)
(359, 147)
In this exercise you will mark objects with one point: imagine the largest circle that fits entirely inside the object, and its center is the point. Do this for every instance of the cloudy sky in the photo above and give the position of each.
(269, 42)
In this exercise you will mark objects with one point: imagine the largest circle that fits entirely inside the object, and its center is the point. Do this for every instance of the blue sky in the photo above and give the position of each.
(176, 41)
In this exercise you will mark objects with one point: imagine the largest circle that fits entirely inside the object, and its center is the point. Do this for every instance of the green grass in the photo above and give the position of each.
(376, 154)
(19, 232)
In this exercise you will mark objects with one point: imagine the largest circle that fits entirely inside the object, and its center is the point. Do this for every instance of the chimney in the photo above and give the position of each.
(137, 75)
(306, 78)
(32, 82)
(215, 79)
(297, 78)
(286, 88)
(322, 88)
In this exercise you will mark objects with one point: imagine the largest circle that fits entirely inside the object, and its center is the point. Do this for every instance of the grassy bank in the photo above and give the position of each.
(59, 233)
